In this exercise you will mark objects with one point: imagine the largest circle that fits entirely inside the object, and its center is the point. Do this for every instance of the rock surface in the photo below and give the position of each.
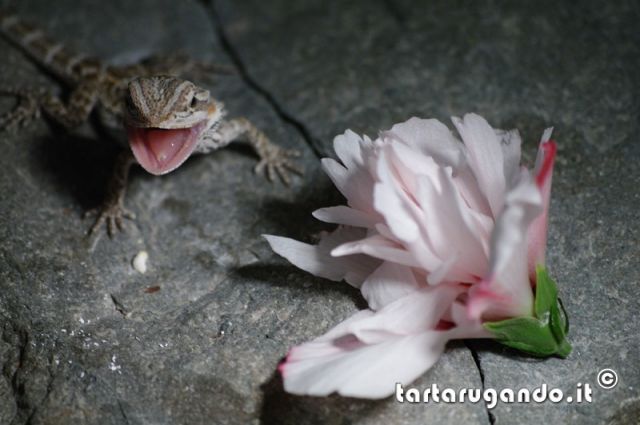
(87, 339)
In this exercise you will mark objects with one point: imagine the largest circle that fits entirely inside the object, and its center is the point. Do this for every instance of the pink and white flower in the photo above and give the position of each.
(439, 234)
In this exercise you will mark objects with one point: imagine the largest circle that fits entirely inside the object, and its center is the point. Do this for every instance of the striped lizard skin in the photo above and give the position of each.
(166, 118)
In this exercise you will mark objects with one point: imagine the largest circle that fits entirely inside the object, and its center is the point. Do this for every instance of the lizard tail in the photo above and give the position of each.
(41, 48)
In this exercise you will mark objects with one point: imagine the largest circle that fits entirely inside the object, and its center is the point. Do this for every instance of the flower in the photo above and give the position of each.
(441, 236)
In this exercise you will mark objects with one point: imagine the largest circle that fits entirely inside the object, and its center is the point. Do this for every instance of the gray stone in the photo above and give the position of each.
(85, 339)
(524, 65)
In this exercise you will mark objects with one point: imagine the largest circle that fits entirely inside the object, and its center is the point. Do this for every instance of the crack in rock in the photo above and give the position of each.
(13, 366)
(476, 360)
(120, 308)
(233, 54)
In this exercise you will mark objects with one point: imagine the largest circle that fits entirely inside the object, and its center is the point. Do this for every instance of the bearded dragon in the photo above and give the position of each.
(166, 118)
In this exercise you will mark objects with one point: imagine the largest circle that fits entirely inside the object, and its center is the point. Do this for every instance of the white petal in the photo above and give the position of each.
(342, 214)
(378, 247)
(465, 326)
(470, 191)
(510, 142)
(317, 259)
(431, 138)
(348, 148)
(523, 205)
(419, 310)
(367, 354)
(538, 229)
(388, 283)
(365, 371)
(452, 229)
(546, 135)
(356, 184)
(445, 272)
(338, 174)
(507, 289)
(395, 202)
(485, 158)
(392, 203)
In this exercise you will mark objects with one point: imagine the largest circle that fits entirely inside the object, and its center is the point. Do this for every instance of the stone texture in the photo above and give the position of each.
(524, 65)
(83, 339)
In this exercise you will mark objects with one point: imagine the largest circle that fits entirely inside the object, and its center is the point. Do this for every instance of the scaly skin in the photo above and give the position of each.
(167, 118)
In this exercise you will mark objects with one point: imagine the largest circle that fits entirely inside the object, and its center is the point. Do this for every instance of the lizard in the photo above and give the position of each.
(166, 118)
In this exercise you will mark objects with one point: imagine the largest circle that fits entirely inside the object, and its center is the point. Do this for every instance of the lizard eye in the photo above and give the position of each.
(131, 107)
(199, 98)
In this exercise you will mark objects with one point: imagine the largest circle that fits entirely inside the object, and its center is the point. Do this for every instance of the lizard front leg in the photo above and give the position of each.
(113, 210)
(273, 158)
(75, 112)
(26, 110)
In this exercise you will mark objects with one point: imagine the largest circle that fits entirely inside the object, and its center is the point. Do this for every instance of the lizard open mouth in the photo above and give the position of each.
(160, 150)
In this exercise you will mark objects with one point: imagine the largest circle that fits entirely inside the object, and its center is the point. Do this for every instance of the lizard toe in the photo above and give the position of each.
(283, 174)
(111, 214)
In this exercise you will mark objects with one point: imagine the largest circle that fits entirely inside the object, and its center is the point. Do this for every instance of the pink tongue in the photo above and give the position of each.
(160, 151)
(164, 144)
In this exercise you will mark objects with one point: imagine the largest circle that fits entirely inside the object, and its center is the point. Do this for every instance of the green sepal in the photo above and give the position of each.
(543, 335)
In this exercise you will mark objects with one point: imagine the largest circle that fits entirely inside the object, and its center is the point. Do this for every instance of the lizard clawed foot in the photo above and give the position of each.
(112, 213)
(276, 160)
(113, 210)
(27, 110)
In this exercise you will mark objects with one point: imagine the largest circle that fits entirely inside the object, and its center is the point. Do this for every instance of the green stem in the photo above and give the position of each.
(564, 349)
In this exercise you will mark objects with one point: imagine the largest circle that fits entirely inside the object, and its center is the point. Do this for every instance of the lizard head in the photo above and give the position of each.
(165, 118)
